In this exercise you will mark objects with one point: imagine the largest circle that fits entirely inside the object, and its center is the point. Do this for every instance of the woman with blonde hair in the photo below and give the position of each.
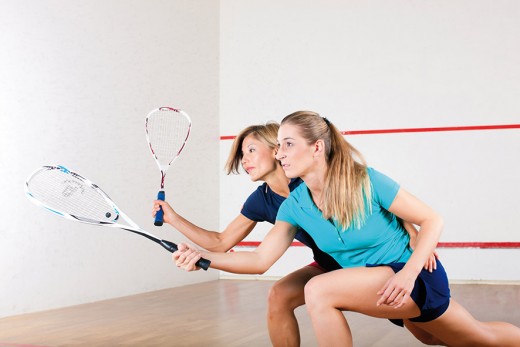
(351, 211)
(254, 149)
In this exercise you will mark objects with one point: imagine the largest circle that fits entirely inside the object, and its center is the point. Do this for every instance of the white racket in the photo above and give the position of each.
(74, 197)
(167, 130)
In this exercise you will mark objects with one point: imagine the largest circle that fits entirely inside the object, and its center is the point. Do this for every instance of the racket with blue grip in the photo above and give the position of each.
(167, 131)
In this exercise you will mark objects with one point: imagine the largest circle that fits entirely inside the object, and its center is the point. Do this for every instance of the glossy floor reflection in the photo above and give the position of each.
(218, 313)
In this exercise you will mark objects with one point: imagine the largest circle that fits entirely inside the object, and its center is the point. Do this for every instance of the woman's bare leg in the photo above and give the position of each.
(457, 327)
(355, 289)
(422, 335)
(284, 297)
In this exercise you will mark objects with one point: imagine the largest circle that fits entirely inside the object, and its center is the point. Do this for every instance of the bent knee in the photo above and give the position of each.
(314, 293)
(284, 295)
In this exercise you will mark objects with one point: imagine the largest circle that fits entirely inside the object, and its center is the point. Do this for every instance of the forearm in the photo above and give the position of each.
(410, 229)
(238, 262)
(258, 261)
(427, 240)
(206, 239)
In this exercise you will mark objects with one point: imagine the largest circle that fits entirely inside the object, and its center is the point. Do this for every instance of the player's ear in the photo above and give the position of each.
(319, 148)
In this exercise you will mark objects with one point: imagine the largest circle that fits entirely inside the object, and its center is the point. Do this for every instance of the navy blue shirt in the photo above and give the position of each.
(262, 206)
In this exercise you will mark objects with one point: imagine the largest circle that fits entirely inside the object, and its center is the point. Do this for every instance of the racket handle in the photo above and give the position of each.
(172, 247)
(159, 215)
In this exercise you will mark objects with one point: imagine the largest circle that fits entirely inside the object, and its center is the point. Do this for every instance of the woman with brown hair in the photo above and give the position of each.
(352, 212)
(254, 149)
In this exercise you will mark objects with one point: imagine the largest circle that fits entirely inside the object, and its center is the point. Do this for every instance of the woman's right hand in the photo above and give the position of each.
(168, 212)
(186, 256)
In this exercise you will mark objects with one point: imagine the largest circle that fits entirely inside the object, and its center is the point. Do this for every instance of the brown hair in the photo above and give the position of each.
(264, 132)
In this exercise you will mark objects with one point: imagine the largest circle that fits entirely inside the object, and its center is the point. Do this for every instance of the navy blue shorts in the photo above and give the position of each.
(431, 293)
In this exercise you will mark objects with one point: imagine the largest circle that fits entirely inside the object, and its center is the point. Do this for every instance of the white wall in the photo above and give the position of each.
(386, 65)
(77, 79)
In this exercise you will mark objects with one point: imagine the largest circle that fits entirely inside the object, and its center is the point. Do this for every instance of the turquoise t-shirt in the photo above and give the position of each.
(380, 240)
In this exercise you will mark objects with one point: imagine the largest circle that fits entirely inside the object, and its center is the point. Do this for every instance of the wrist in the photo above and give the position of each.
(174, 218)
(412, 269)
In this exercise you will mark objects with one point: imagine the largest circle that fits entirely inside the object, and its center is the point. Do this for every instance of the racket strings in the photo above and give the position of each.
(67, 193)
(167, 133)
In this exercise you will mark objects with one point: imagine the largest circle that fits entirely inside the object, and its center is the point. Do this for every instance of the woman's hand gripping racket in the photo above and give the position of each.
(167, 130)
(76, 198)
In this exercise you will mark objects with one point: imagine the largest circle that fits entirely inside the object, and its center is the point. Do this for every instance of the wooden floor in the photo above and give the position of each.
(218, 313)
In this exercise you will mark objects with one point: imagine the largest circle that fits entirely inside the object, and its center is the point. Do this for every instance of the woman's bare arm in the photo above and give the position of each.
(276, 242)
(214, 241)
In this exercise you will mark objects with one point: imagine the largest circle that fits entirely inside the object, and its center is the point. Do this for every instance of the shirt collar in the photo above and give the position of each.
(305, 200)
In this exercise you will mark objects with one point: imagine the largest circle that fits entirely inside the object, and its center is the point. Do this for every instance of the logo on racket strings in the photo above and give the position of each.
(71, 187)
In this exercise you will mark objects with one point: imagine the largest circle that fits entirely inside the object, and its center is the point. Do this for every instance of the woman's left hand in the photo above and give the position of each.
(396, 291)
(431, 263)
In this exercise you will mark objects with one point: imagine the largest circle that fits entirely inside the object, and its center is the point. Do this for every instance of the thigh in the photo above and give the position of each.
(299, 278)
(356, 290)
(292, 285)
(456, 327)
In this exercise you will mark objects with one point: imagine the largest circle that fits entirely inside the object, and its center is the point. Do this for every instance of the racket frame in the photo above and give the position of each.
(163, 168)
(130, 226)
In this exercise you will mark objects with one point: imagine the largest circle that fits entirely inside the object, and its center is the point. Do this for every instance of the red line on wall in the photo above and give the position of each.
(500, 245)
(438, 129)
(479, 245)
(417, 130)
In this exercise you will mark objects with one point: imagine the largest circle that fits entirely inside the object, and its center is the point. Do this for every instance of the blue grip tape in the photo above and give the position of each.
(159, 215)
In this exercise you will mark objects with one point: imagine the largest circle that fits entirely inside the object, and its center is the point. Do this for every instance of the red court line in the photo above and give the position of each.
(438, 129)
(416, 130)
(499, 245)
